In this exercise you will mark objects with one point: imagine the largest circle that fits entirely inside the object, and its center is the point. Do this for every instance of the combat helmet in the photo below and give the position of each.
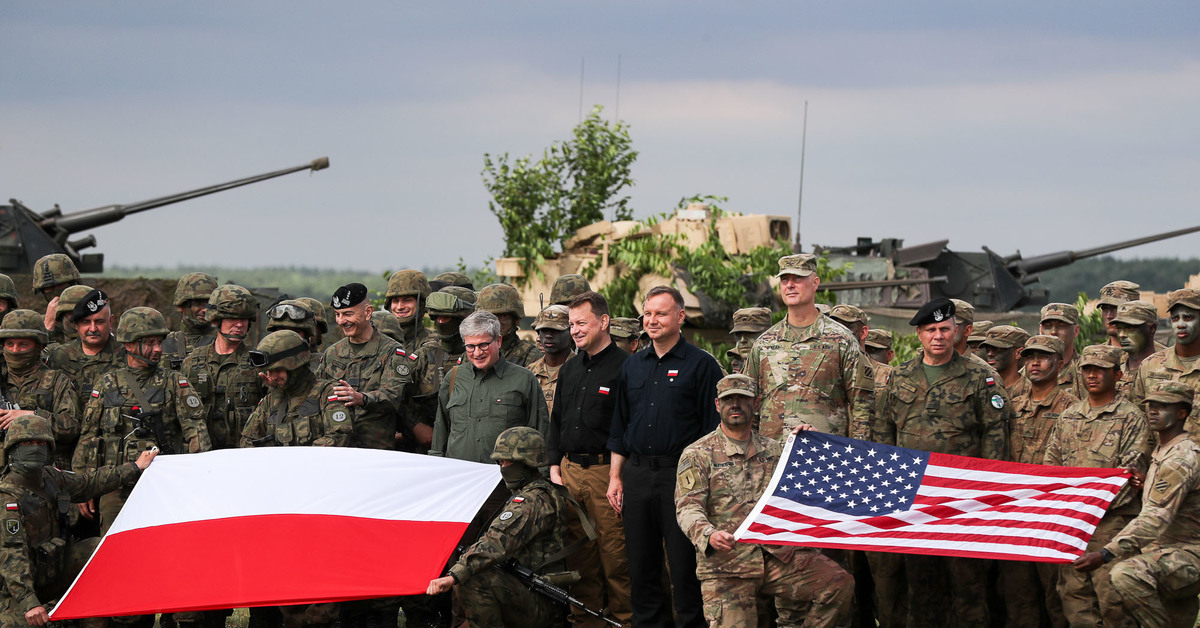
(54, 270)
(231, 301)
(28, 427)
(281, 349)
(70, 297)
(387, 323)
(8, 291)
(451, 301)
(24, 324)
(451, 278)
(567, 287)
(293, 314)
(318, 310)
(521, 444)
(140, 322)
(407, 283)
(501, 298)
(194, 287)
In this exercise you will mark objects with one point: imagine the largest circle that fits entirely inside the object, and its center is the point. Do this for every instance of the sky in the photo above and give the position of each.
(1030, 126)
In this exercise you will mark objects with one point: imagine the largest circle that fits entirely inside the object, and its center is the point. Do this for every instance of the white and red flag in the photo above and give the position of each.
(832, 491)
(279, 525)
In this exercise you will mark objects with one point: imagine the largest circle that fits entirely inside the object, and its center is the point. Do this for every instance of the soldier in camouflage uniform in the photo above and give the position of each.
(297, 315)
(447, 307)
(852, 318)
(1179, 362)
(625, 332)
(1062, 321)
(878, 347)
(1136, 323)
(38, 559)
(1158, 576)
(964, 316)
(1002, 348)
(195, 330)
(567, 287)
(387, 324)
(504, 301)
(1112, 295)
(318, 310)
(808, 368)
(405, 299)
(552, 326)
(220, 372)
(94, 352)
(943, 403)
(451, 278)
(58, 320)
(978, 334)
(748, 324)
(531, 530)
(719, 479)
(51, 274)
(34, 388)
(1104, 430)
(8, 296)
(298, 409)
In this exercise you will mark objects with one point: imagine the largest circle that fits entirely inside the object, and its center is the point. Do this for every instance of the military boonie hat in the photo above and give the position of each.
(878, 339)
(1187, 298)
(964, 312)
(848, 314)
(1045, 344)
(92, 303)
(1104, 356)
(802, 264)
(1119, 292)
(736, 384)
(624, 327)
(1005, 337)
(979, 331)
(935, 311)
(553, 317)
(1136, 313)
(1064, 312)
(751, 319)
(1172, 392)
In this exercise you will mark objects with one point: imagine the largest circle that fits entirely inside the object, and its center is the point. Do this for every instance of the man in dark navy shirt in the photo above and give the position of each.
(664, 403)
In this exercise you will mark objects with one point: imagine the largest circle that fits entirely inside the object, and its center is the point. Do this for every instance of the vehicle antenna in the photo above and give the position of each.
(581, 89)
(800, 202)
(617, 109)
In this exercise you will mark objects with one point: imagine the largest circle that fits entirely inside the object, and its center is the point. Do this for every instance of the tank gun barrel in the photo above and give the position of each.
(1063, 258)
(879, 283)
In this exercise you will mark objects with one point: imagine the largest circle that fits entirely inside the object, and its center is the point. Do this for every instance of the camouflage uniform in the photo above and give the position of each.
(305, 411)
(625, 332)
(434, 359)
(1135, 313)
(228, 386)
(379, 370)
(553, 317)
(1166, 365)
(46, 392)
(191, 333)
(500, 298)
(55, 272)
(8, 293)
(409, 283)
(65, 331)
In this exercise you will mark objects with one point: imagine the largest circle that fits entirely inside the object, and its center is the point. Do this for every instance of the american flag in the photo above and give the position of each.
(832, 491)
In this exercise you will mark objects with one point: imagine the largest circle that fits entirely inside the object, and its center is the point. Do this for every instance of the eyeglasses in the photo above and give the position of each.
(479, 347)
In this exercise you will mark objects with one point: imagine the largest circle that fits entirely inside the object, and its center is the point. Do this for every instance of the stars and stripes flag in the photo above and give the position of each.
(837, 492)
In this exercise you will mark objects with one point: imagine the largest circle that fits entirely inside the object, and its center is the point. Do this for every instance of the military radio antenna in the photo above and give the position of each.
(800, 201)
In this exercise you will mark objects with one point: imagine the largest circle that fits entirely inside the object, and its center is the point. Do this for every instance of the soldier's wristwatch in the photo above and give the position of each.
(1106, 555)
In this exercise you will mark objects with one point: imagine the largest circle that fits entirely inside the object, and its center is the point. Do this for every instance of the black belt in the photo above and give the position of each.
(589, 460)
(654, 462)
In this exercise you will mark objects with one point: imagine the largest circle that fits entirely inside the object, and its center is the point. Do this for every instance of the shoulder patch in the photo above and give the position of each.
(339, 416)
(331, 398)
(193, 401)
(412, 356)
(95, 393)
(506, 515)
(517, 499)
(997, 401)
(402, 369)
(687, 479)
(12, 526)
(990, 381)
(400, 351)
(183, 383)
(11, 506)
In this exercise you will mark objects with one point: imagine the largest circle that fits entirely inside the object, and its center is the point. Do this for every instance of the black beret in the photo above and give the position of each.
(349, 295)
(935, 311)
(93, 302)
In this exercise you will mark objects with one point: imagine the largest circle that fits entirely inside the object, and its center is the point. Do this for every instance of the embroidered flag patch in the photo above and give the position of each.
(991, 381)
(604, 390)
(331, 398)
(516, 500)
(10, 506)
(183, 383)
(673, 373)
(400, 351)
(95, 393)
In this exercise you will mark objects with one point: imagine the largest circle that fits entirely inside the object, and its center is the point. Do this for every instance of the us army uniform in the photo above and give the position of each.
(306, 412)
(553, 317)
(1136, 313)
(1069, 377)
(1166, 365)
(229, 387)
(379, 370)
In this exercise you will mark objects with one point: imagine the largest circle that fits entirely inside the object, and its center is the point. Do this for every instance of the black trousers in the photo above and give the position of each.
(650, 525)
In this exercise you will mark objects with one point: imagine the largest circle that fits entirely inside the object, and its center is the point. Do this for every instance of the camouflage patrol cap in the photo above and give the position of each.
(451, 301)
(500, 298)
(964, 313)
(141, 322)
(521, 444)
(70, 297)
(1136, 313)
(194, 287)
(848, 314)
(751, 319)
(878, 339)
(28, 427)
(567, 287)
(1172, 392)
(1104, 356)
(8, 291)
(1044, 344)
(1118, 292)
(318, 310)
(1005, 337)
(935, 311)
(387, 323)
(94, 301)
(283, 349)
(802, 264)
(1186, 297)
(454, 279)
(230, 301)
(24, 324)
(979, 331)
(52, 270)
(737, 384)
(1064, 312)
(624, 327)
(407, 283)
(553, 317)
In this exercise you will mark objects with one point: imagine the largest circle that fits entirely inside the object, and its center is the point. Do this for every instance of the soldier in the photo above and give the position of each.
(298, 316)
(1003, 346)
(434, 359)
(567, 287)
(8, 296)
(878, 347)
(887, 569)
(964, 315)
(58, 318)
(51, 274)
(386, 323)
(719, 479)
(1112, 295)
(38, 558)
(625, 332)
(1062, 321)
(531, 531)
(852, 318)
(1104, 430)
(121, 421)
(34, 388)
(405, 299)
(978, 333)
(1179, 362)
(191, 299)
(1159, 570)
(94, 352)
(221, 372)
(737, 362)
(552, 325)
(808, 368)
(943, 403)
(451, 278)
(1136, 323)
(504, 301)
(299, 409)
(318, 310)
(748, 324)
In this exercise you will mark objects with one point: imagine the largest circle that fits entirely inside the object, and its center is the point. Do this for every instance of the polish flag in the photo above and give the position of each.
(279, 525)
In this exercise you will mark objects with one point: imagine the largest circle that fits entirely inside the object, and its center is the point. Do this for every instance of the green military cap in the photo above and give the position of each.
(553, 317)
(979, 331)
(1064, 312)
(1119, 292)
(878, 339)
(1005, 337)
(1172, 392)
(848, 314)
(1045, 344)
(802, 264)
(736, 384)
(751, 319)
(964, 312)
(1186, 297)
(1104, 356)
(624, 327)
(1136, 313)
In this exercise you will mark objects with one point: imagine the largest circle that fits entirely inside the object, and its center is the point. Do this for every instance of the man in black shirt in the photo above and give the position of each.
(578, 437)
(664, 403)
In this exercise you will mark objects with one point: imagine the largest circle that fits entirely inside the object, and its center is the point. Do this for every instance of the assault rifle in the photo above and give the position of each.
(149, 423)
(538, 584)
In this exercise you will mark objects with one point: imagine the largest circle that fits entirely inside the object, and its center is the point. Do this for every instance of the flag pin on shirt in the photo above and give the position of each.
(673, 373)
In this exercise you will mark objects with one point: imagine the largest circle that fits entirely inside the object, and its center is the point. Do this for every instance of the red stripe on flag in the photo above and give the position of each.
(1000, 466)
(807, 536)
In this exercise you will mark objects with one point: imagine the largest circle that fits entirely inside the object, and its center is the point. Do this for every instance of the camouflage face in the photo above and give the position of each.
(1041, 366)
(1133, 338)
(1185, 324)
(567, 287)
(141, 322)
(54, 270)
(29, 427)
(194, 286)
(501, 298)
(231, 301)
(283, 349)
(24, 324)
(521, 444)
(1165, 417)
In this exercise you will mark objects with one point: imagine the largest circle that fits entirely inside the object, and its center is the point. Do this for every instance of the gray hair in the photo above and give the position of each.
(481, 323)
